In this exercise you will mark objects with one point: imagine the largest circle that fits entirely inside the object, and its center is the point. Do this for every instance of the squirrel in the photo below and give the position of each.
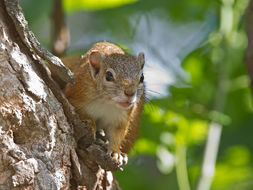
(109, 89)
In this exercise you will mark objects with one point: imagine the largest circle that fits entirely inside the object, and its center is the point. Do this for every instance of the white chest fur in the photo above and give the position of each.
(105, 114)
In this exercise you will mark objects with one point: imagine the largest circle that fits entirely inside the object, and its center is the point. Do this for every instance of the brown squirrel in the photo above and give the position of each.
(109, 89)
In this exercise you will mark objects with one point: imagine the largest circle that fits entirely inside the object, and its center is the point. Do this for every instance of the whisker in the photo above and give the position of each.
(98, 95)
(150, 96)
(149, 106)
(147, 99)
(147, 90)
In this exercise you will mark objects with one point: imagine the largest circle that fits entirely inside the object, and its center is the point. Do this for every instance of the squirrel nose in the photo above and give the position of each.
(129, 93)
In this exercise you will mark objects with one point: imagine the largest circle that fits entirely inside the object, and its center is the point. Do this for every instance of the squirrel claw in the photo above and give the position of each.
(100, 134)
(100, 138)
(120, 158)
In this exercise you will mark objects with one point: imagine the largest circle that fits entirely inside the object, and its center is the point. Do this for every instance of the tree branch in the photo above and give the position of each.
(211, 151)
(60, 32)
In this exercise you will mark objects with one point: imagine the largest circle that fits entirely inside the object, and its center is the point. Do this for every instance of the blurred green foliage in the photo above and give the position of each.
(174, 129)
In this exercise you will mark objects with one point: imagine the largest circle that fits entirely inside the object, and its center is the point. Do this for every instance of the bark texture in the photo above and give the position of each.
(35, 137)
(43, 143)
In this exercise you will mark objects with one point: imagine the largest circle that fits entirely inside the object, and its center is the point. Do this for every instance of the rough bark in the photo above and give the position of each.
(43, 143)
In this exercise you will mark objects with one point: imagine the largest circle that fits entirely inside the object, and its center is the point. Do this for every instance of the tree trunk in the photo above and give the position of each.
(43, 143)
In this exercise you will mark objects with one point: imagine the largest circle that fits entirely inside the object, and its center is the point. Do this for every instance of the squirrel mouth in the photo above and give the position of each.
(125, 104)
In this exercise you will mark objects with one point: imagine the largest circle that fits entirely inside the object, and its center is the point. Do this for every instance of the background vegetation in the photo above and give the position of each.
(195, 78)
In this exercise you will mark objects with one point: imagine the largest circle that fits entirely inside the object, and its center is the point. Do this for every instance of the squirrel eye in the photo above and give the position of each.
(109, 76)
(142, 78)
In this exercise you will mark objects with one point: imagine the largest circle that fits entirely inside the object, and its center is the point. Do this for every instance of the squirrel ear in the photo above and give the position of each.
(95, 59)
(141, 59)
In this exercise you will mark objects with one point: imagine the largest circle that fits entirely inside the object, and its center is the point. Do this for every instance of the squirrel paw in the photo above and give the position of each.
(119, 157)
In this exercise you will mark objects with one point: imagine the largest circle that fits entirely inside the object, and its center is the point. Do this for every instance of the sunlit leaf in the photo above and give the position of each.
(145, 146)
(77, 5)
(195, 67)
(237, 155)
(198, 131)
(236, 163)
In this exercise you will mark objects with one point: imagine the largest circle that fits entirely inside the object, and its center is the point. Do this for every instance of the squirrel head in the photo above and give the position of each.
(119, 77)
